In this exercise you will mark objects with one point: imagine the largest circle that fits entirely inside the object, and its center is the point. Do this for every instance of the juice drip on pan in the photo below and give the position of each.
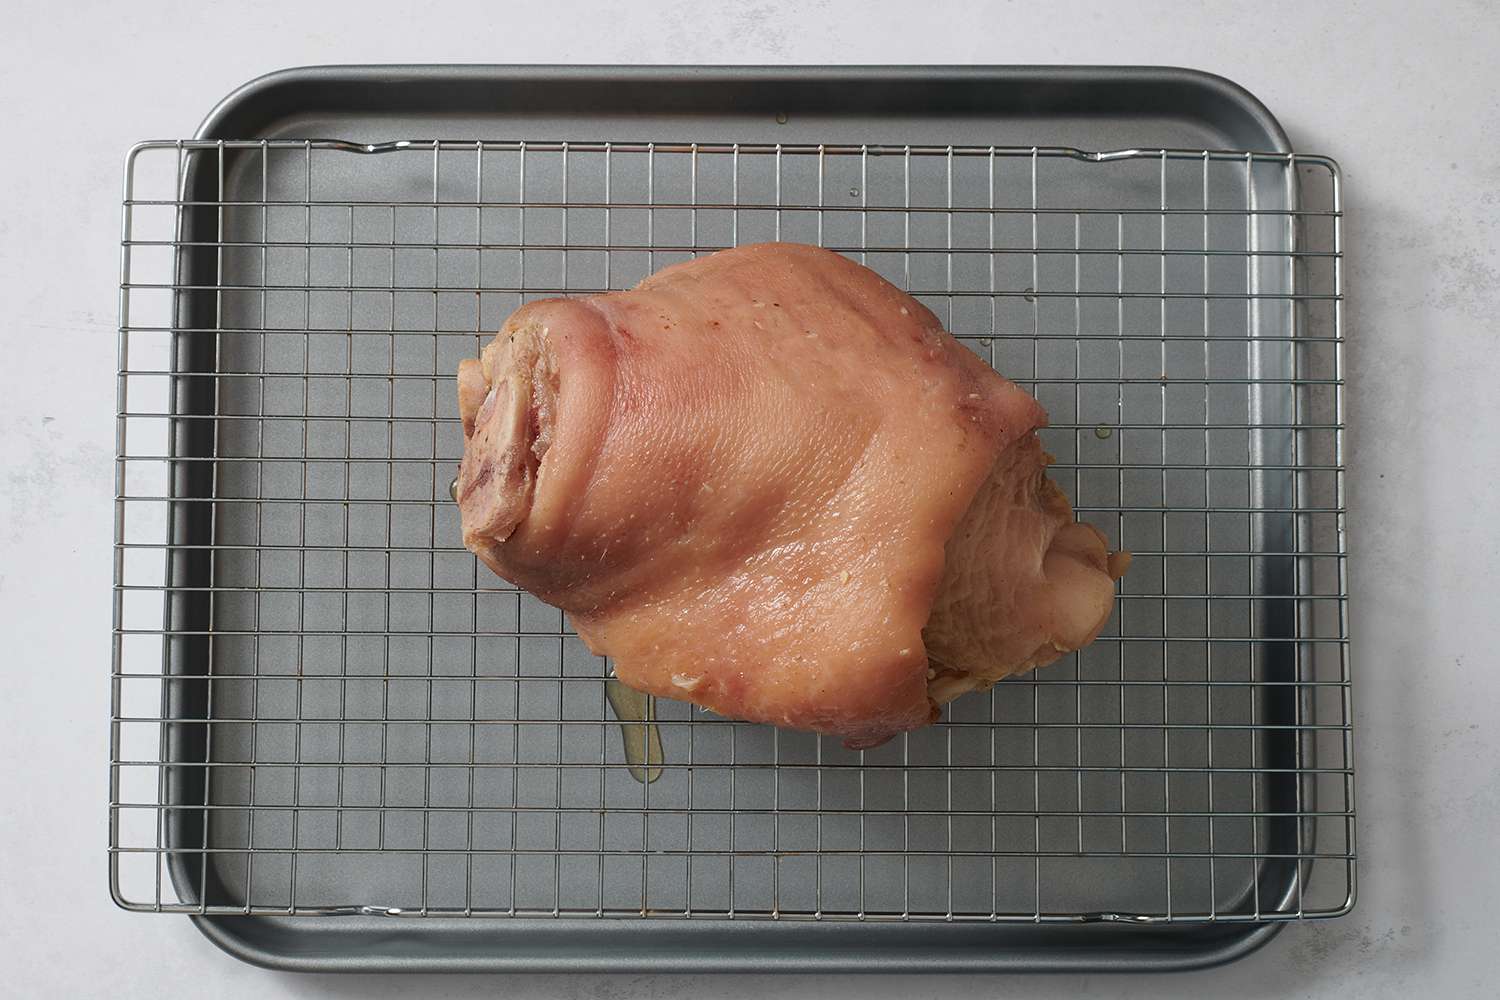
(640, 736)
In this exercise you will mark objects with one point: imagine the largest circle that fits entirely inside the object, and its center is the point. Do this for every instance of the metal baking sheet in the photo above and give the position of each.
(1156, 803)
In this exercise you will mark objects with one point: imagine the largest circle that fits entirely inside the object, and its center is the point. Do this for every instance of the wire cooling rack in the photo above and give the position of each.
(321, 704)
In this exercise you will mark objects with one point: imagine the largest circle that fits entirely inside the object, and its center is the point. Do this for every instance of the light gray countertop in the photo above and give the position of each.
(1406, 99)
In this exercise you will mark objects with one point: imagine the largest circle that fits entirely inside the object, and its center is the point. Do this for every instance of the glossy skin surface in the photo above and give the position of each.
(739, 479)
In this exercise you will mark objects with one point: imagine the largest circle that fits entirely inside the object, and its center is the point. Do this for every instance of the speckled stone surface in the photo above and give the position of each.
(1408, 100)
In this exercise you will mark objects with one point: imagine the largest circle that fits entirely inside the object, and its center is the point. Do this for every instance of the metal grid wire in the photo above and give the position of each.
(321, 704)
